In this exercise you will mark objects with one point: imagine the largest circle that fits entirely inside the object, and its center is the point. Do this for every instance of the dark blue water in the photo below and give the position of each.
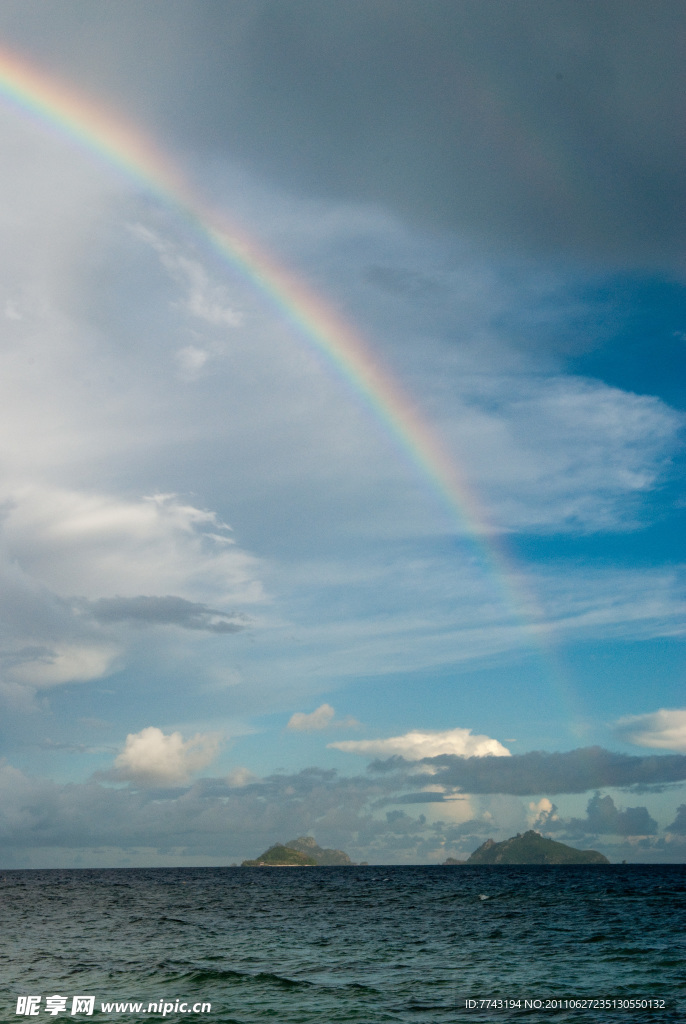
(366, 945)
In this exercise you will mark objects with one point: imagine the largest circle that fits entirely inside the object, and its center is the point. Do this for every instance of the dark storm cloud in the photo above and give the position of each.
(162, 611)
(400, 281)
(420, 798)
(575, 771)
(535, 125)
(209, 817)
(604, 818)
(218, 819)
(679, 823)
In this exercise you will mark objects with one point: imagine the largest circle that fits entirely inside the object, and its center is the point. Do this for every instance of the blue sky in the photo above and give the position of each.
(234, 609)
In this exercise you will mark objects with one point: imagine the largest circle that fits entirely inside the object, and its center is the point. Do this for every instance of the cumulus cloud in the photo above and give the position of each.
(239, 777)
(604, 818)
(542, 813)
(150, 757)
(679, 823)
(318, 719)
(88, 398)
(44, 641)
(222, 819)
(227, 818)
(664, 729)
(57, 543)
(415, 745)
(95, 544)
(574, 771)
(321, 718)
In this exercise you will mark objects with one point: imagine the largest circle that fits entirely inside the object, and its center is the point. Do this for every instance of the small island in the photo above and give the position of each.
(303, 852)
(531, 848)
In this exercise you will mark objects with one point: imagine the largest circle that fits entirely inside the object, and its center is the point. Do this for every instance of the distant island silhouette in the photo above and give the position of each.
(302, 852)
(530, 848)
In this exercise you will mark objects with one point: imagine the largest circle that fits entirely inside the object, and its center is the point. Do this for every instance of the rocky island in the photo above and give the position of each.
(302, 852)
(532, 848)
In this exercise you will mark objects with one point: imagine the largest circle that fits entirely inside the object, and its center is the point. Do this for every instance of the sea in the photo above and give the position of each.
(334, 945)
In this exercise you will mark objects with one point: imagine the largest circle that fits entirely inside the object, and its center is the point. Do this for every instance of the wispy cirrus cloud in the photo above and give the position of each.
(207, 300)
(563, 453)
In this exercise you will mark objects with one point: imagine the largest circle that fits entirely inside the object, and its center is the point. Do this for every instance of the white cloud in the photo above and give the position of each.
(92, 417)
(541, 449)
(321, 718)
(428, 620)
(44, 823)
(565, 453)
(205, 300)
(79, 571)
(541, 813)
(240, 777)
(611, 601)
(95, 545)
(415, 745)
(66, 663)
(318, 719)
(191, 360)
(151, 757)
(664, 729)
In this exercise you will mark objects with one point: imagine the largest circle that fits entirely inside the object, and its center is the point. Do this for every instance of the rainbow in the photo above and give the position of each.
(120, 145)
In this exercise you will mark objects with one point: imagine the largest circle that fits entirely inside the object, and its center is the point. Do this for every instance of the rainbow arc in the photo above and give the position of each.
(120, 144)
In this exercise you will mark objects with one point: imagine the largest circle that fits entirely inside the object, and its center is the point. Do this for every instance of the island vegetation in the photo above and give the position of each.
(302, 852)
(530, 848)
